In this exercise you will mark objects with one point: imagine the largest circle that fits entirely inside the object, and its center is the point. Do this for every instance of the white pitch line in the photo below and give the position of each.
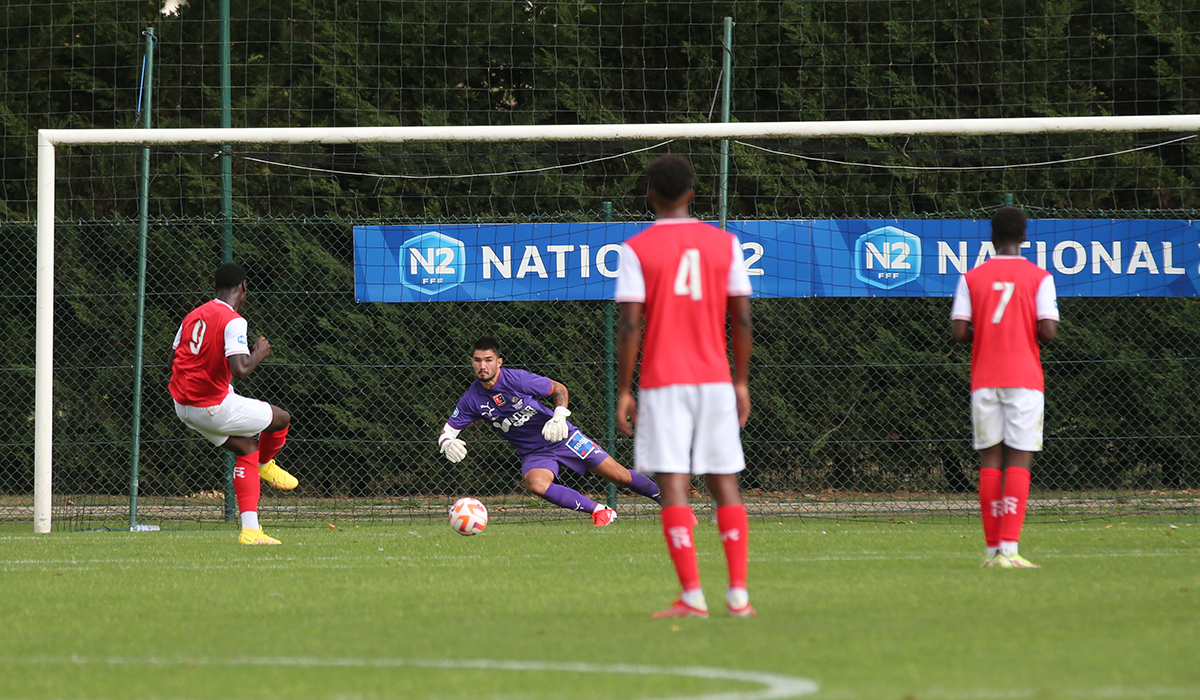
(953, 556)
(1083, 693)
(776, 686)
(348, 563)
(1153, 692)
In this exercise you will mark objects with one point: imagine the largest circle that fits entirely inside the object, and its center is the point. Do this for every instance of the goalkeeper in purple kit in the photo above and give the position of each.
(511, 401)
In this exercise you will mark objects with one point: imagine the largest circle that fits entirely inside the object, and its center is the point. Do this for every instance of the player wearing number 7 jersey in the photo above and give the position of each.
(1012, 305)
(684, 277)
(210, 350)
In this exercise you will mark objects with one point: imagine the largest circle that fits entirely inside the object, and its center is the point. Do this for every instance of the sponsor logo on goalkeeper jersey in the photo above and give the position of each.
(498, 399)
(887, 257)
(432, 262)
(516, 420)
(580, 444)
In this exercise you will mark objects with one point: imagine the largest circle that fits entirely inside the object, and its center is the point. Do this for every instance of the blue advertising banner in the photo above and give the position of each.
(837, 258)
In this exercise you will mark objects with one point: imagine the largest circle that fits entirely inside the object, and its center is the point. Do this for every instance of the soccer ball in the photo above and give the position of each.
(468, 516)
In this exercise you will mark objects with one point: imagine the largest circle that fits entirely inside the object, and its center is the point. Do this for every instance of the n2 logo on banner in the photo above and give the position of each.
(432, 263)
(887, 257)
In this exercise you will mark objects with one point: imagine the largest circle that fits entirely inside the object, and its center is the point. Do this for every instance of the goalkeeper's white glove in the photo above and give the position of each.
(454, 450)
(555, 429)
(450, 445)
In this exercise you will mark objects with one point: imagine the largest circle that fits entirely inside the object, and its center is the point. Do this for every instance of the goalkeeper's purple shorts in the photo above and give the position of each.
(578, 453)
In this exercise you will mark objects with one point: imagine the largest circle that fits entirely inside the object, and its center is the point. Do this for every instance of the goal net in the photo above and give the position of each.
(855, 232)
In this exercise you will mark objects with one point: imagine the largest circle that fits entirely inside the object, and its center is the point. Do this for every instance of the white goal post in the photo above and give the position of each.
(49, 139)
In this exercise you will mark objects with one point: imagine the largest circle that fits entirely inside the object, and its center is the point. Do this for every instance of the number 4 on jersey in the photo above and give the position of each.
(687, 277)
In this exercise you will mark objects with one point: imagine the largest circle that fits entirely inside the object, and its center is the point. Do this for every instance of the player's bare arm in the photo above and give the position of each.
(743, 342)
(558, 394)
(240, 366)
(1047, 329)
(555, 429)
(961, 330)
(629, 340)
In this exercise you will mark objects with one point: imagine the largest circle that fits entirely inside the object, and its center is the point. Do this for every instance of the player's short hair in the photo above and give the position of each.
(669, 176)
(486, 343)
(1008, 225)
(228, 276)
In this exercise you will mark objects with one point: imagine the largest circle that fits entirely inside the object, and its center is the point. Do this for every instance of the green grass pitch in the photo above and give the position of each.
(847, 611)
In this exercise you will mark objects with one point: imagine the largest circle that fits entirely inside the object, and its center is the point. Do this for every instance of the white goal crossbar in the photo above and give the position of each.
(48, 139)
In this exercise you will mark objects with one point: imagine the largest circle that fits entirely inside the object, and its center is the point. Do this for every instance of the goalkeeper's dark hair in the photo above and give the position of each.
(486, 343)
(228, 276)
(1008, 226)
(669, 176)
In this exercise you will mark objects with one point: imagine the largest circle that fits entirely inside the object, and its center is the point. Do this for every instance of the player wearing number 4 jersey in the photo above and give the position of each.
(511, 402)
(1004, 307)
(684, 277)
(210, 350)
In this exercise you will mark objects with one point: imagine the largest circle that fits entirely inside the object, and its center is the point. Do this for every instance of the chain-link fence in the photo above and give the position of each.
(860, 404)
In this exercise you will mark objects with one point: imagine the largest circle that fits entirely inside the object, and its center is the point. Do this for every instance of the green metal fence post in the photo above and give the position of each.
(726, 103)
(231, 513)
(140, 324)
(726, 100)
(610, 378)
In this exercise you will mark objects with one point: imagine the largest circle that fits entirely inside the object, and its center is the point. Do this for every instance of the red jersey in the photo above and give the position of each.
(684, 271)
(1004, 298)
(200, 373)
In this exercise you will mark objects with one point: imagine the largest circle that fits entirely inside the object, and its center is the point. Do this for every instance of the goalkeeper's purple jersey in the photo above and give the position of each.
(512, 407)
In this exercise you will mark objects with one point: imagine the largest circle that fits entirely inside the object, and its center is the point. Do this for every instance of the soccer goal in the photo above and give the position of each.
(841, 420)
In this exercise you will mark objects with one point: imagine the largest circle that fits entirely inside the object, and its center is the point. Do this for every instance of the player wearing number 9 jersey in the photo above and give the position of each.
(210, 350)
(684, 277)
(1011, 304)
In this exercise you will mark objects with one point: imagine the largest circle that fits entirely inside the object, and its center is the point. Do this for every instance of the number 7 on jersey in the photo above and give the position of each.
(1006, 290)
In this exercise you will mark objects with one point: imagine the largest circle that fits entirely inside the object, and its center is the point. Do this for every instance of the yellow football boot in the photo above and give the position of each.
(276, 477)
(250, 536)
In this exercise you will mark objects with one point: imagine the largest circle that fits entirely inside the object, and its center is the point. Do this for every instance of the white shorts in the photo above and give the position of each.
(1012, 416)
(236, 416)
(688, 429)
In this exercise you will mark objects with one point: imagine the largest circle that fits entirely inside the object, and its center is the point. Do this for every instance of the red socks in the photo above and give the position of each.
(734, 529)
(245, 482)
(991, 487)
(269, 444)
(677, 524)
(1003, 497)
(1016, 496)
(246, 485)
